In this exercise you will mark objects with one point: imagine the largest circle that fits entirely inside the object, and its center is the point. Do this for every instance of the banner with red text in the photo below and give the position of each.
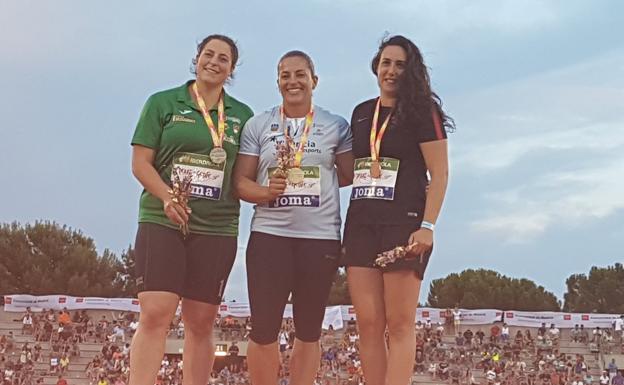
(19, 303)
(561, 320)
(334, 315)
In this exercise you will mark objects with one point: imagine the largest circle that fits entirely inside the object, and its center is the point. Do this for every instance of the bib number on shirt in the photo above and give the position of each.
(308, 194)
(367, 187)
(206, 176)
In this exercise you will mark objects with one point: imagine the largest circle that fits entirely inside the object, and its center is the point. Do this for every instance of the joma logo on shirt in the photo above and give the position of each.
(201, 191)
(367, 192)
(295, 200)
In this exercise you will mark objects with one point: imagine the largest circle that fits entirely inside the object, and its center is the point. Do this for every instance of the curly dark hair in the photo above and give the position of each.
(415, 98)
(228, 40)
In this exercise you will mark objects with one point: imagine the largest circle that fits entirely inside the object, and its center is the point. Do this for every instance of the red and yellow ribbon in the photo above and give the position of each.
(309, 119)
(217, 136)
(375, 137)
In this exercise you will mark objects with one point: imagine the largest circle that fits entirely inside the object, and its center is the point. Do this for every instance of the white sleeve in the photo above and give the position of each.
(250, 140)
(345, 143)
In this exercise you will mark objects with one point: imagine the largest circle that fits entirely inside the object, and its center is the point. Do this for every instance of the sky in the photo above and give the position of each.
(536, 89)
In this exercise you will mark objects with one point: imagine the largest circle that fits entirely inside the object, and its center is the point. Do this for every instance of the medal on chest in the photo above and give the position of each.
(375, 141)
(217, 153)
(289, 156)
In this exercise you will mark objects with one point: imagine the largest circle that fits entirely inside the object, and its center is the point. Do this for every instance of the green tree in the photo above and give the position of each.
(339, 293)
(46, 258)
(472, 289)
(602, 291)
(127, 274)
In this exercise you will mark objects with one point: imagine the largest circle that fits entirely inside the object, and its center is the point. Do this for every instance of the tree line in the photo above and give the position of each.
(47, 258)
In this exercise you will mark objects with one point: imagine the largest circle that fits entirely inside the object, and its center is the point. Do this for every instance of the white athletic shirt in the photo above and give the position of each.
(299, 216)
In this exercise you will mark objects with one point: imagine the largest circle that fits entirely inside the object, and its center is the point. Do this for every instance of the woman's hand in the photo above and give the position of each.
(277, 185)
(420, 241)
(246, 186)
(175, 212)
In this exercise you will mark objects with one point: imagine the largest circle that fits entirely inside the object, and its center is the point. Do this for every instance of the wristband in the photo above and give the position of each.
(427, 225)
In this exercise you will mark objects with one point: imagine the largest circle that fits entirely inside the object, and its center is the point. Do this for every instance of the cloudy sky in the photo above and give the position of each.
(536, 89)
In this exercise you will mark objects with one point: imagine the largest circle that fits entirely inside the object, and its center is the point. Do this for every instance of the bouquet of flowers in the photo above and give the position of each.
(391, 256)
(180, 191)
(285, 153)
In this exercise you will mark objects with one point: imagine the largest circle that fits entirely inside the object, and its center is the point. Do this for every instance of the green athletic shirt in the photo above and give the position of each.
(172, 123)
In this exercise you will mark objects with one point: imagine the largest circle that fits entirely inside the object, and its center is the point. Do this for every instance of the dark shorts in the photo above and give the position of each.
(362, 243)
(278, 266)
(196, 268)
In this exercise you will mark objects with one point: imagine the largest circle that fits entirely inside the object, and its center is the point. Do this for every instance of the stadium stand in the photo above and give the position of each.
(92, 347)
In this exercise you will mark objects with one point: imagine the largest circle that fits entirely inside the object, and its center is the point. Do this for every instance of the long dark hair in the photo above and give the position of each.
(415, 98)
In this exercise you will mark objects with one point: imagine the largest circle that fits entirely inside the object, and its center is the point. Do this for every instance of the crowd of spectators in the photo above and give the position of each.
(62, 333)
(228, 328)
(81, 327)
(491, 356)
(111, 366)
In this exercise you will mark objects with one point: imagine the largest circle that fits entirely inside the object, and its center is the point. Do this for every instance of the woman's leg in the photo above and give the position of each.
(263, 361)
(401, 291)
(304, 362)
(316, 263)
(366, 287)
(269, 282)
(209, 260)
(160, 267)
(198, 347)
(148, 344)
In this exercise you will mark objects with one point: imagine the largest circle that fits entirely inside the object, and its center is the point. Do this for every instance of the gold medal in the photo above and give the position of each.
(295, 176)
(288, 155)
(375, 169)
(218, 155)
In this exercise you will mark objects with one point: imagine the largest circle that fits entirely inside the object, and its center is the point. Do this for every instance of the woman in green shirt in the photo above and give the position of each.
(185, 250)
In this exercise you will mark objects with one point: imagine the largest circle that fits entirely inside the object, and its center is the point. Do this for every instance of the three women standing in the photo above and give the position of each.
(293, 251)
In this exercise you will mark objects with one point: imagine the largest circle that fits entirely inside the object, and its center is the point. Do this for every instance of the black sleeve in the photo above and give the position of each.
(431, 128)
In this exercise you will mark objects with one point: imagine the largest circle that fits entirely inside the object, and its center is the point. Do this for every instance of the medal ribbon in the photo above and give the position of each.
(375, 137)
(304, 136)
(217, 137)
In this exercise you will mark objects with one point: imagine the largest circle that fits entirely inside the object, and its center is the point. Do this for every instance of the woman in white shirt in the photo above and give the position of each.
(505, 333)
(604, 378)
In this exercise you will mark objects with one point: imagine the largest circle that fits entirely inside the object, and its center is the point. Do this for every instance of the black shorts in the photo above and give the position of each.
(196, 268)
(362, 243)
(278, 266)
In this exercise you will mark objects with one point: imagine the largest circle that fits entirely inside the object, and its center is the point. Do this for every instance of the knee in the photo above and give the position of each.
(400, 326)
(263, 336)
(155, 319)
(265, 329)
(199, 322)
(371, 325)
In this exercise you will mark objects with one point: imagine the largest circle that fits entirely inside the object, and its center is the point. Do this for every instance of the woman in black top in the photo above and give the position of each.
(399, 142)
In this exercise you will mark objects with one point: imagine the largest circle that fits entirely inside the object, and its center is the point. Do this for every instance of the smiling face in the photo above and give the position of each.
(391, 65)
(215, 63)
(296, 81)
